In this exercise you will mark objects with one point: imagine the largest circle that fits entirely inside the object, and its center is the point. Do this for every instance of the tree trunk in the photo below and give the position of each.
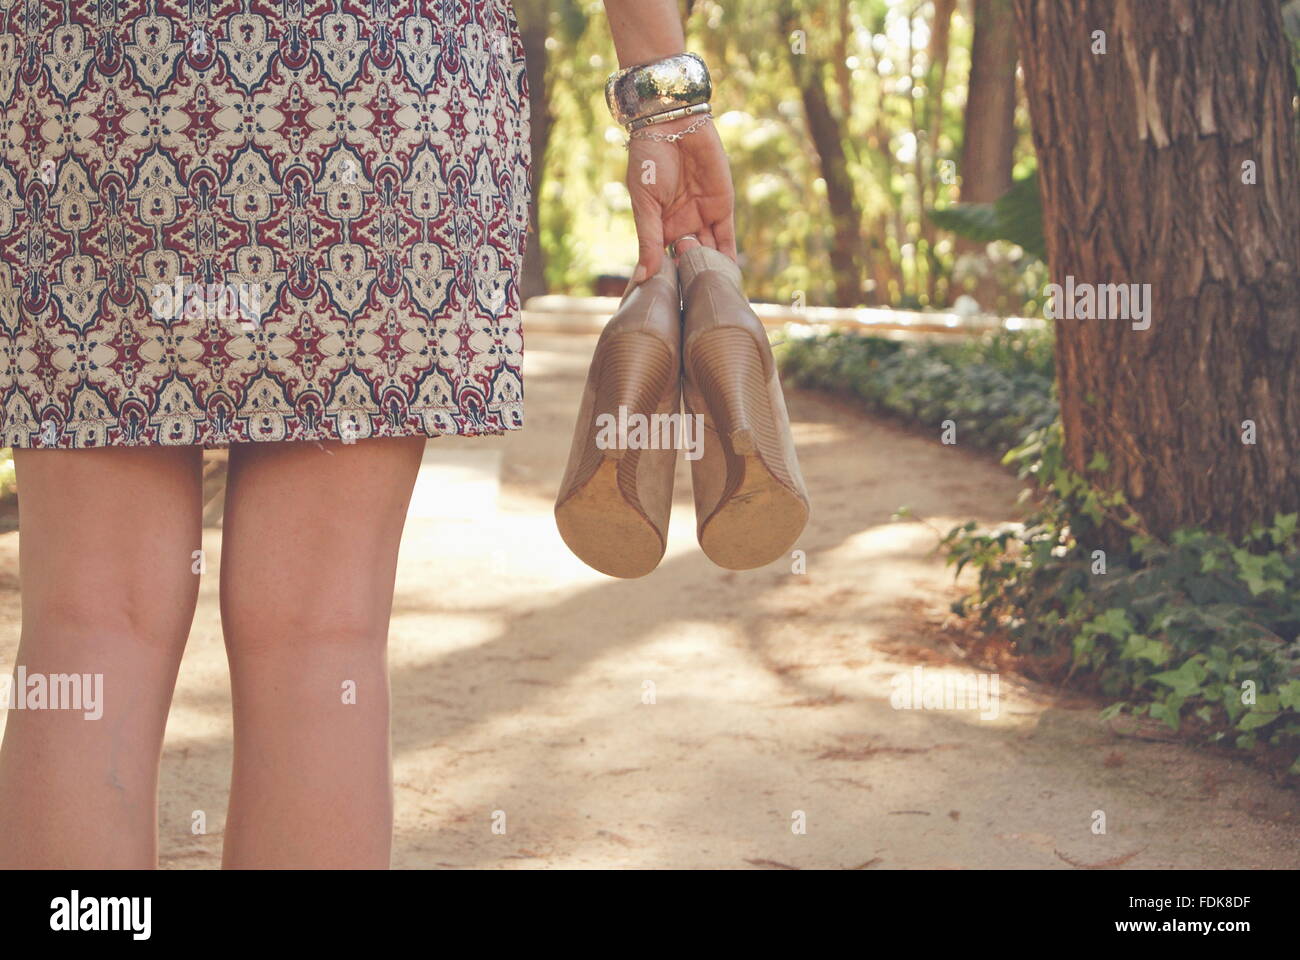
(940, 32)
(989, 142)
(989, 136)
(533, 18)
(824, 129)
(927, 147)
(887, 273)
(1142, 152)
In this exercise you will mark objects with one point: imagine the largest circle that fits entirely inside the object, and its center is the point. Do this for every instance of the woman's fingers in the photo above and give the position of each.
(724, 233)
(650, 241)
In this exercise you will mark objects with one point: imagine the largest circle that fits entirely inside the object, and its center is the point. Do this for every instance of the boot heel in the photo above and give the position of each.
(760, 507)
(742, 442)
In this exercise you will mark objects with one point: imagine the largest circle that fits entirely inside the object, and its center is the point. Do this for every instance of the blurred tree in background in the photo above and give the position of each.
(865, 135)
(847, 121)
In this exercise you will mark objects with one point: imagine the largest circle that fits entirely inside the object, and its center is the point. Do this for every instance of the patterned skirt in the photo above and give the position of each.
(225, 221)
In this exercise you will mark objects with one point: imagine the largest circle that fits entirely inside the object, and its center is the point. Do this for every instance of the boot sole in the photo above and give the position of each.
(605, 531)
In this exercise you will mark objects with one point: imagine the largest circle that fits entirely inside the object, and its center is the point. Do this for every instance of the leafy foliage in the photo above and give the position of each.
(1016, 216)
(1200, 633)
(995, 388)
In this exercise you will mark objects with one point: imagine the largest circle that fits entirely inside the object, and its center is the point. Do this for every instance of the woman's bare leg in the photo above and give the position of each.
(106, 550)
(309, 557)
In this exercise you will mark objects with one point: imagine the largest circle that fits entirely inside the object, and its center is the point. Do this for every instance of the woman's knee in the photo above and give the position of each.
(110, 624)
(303, 631)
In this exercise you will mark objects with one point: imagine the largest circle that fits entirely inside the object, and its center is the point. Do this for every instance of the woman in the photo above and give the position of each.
(299, 235)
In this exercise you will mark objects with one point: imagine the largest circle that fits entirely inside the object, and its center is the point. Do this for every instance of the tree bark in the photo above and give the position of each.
(533, 19)
(1141, 154)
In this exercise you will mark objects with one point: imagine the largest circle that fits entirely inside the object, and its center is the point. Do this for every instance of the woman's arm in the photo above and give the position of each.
(644, 30)
(678, 188)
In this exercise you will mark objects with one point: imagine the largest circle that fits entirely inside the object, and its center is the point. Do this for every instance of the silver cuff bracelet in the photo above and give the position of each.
(635, 93)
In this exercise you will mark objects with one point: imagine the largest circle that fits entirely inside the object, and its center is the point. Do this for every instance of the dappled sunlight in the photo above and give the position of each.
(681, 718)
(888, 538)
(426, 638)
(809, 434)
(941, 228)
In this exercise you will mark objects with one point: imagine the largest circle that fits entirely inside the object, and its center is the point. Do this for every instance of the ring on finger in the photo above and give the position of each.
(673, 246)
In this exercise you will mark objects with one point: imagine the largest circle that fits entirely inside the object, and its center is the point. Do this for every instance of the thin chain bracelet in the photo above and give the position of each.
(648, 134)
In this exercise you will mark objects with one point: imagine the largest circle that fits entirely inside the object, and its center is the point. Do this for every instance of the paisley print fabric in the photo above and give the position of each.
(225, 221)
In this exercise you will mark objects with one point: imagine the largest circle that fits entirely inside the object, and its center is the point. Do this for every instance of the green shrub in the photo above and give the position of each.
(1199, 632)
(995, 388)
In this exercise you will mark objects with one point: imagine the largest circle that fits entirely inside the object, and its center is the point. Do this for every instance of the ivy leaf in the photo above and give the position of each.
(1268, 702)
(1256, 719)
(1113, 623)
(1170, 711)
(1250, 568)
(1185, 681)
(1113, 710)
(1288, 695)
(1140, 647)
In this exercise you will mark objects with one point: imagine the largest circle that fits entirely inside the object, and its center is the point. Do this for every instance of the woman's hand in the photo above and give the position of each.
(680, 188)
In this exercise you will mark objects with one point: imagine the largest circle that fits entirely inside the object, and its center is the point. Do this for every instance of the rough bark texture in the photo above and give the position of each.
(1141, 154)
(533, 21)
(824, 129)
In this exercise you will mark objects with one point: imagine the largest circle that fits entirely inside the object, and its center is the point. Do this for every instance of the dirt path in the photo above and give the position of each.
(519, 677)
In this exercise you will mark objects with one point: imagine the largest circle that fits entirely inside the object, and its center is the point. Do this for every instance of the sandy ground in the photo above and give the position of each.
(521, 680)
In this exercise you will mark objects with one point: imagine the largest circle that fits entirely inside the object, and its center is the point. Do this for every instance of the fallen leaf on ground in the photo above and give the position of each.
(1102, 864)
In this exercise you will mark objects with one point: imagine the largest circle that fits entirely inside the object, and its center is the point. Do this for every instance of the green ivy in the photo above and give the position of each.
(1199, 632)
(995, 388)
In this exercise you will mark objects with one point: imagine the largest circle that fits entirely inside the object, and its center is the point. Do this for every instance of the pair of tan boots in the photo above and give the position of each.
(685, 337)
